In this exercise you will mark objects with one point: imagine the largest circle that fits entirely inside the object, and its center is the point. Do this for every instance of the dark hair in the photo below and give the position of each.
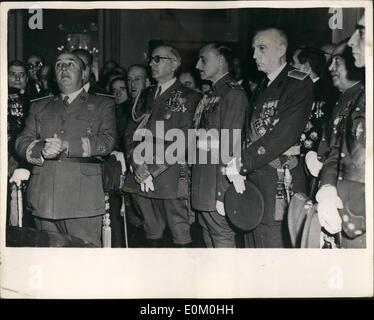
(315, 57)
(119, 78)
(85, 53)
(224, 51)
(353, 73)
(17, 63)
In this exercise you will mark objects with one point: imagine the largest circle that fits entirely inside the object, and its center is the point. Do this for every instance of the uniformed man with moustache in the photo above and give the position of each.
(63, 137)
(341, 197)
(222, 107)
(162, 189)
(280, 107)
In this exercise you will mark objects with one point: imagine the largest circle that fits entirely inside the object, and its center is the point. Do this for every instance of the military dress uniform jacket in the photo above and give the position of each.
(175, 109)
(279, 115)
(69, 186)
(225, 108)
(346, 158)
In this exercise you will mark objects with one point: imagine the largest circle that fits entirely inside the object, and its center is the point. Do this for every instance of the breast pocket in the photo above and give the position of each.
(46, 127)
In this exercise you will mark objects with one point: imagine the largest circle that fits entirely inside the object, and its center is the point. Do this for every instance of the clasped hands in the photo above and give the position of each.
(53, 147)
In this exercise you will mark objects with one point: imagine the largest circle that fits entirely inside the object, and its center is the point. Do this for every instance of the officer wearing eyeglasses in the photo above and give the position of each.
(33, 65)
(63, 138)
(160, 188)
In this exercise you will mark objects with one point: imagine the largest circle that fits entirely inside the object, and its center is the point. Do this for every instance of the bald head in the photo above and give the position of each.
(270, 48)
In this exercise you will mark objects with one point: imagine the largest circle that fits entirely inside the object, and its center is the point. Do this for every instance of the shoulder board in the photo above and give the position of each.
(41, 98)
(234, 85)
(104, 95)
(297, 74)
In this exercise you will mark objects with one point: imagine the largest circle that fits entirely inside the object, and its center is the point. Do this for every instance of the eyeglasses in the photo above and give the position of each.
(157, 59)
(35, 65)
(14, 75)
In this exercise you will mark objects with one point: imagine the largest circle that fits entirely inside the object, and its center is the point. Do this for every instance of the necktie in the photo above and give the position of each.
(260, 88)
(65, 101)
(158, 93)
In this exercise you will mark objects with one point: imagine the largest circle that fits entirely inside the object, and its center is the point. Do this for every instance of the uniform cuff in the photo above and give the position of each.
(34, 152)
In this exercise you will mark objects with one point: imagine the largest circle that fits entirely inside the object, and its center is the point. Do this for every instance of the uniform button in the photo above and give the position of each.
(219, 193)
(340, 178)
(62, 131)
(342, 154)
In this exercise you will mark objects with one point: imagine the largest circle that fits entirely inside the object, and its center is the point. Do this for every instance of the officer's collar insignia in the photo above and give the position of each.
(297, 74)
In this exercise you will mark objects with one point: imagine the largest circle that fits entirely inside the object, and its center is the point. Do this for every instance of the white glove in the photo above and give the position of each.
(20, 175)
(328, 205)
(220, 207)
(313, 164)
(121, 158)
(147, 184)
(235, 177)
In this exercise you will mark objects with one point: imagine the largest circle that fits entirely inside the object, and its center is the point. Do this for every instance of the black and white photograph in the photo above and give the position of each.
(184, 142)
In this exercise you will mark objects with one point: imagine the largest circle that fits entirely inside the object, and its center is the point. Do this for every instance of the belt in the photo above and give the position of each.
(78, 160)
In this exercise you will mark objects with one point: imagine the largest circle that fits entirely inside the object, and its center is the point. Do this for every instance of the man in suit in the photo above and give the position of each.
(280, 110)
(222, 107)
(160, 188)
(63, 137)
(341, 197)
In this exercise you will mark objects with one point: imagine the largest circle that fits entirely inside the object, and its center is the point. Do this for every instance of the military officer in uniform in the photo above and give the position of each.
(281, 106)
(63, 137)
(222, 107)
(341, 197)
(161, 189)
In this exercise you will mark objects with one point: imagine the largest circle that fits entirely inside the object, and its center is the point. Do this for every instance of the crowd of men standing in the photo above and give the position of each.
(297, 137)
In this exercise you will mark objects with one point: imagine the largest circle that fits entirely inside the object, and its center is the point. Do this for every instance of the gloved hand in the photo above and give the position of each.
(220, 207)
(19, 175)
(147, 184)
(140, 171)
(328, 205)
(234, 176)
(313, 164)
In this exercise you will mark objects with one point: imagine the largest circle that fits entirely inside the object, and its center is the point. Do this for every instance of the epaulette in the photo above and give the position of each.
(41, 98)
(234, 85)
(297, 74)
(104, 95)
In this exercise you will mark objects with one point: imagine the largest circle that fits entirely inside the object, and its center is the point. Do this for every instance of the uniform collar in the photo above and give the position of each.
(72, 95)
(272, 76)
(221, 77)
(166, 85)
(86, 87)
(352, 90)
